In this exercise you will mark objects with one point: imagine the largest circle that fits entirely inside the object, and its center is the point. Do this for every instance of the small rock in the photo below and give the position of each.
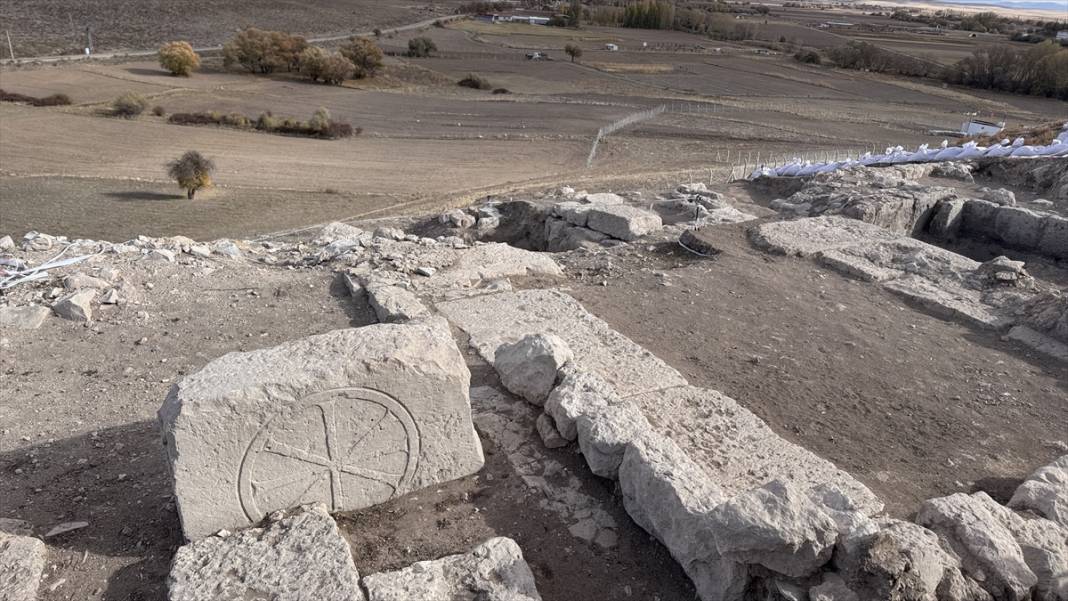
(6, 243)
(76, 306)
(1000, 196)
(549, 435)
(64, 528)
(160, 254)
(528, 367)
(29, 317)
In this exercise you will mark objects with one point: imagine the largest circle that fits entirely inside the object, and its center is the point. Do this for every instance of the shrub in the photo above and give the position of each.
(317, 64)
(192, 171)
(573, 51)
(262, 51)
(320, 119)
(364, 54)
(158, 111)
(179, 58)
(475, 82)
(502, 91)
(808, 56)
(129, 105)
(53, 100)
(439, 23)
(421, 47)
(321, 125)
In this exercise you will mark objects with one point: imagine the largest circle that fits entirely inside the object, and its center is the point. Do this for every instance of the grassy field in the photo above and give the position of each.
(428, 143)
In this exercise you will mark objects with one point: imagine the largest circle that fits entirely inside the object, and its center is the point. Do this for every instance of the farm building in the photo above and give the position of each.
(529, 19)
(978, 127)
(1062, 36)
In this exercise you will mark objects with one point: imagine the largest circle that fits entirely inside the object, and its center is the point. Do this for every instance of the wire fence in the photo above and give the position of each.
(620, 124)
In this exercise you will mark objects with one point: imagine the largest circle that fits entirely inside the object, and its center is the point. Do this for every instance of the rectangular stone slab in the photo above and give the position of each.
(736, 449)
(804, 237)
(296, 557)
(492, 320)
(350, 418)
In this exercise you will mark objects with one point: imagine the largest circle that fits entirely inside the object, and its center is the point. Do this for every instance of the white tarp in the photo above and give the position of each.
(923, 154)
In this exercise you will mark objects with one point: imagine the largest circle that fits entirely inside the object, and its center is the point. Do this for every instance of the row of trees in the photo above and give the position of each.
(261, 51)
(1040, 70)
(713, 19)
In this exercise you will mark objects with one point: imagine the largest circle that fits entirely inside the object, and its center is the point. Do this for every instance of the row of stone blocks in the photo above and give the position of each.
(754, 514)
(1017, 227)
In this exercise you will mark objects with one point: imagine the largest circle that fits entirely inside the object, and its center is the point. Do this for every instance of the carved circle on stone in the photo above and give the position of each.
(347, 447)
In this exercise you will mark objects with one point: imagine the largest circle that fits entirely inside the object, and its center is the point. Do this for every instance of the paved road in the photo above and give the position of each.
(148, 53)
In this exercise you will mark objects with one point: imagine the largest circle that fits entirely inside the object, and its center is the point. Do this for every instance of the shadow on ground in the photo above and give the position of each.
(115, 479)
(139, 195)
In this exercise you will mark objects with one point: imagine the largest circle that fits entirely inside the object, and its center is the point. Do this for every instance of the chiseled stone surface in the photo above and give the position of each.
(737, 450)
(495, 319)
(777, 526)
(492, 571)
(349, 418)
(300, 557)
(22, 563)
(803, 237)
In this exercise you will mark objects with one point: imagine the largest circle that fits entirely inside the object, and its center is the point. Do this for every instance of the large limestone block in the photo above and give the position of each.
(1018, 227)
(737, 450)
(300, 557)
(394, 304)
(1045, 492)
(946, 300)
(777, 526)
(623, 222)
(493, 571)
(22, 563)
(987, 549)
(1044, 545)
(350, 418)
(803, 237)
(979, 218)
(670, 497)
(495, 319)
(528, 367)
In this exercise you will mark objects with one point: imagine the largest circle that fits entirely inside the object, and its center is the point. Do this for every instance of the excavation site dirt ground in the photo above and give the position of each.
(912, 405)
